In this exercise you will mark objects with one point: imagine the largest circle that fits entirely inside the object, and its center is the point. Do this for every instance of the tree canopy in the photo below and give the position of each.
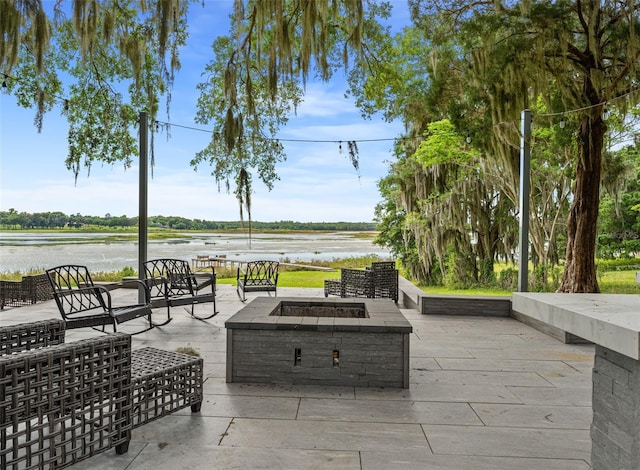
(119, 58)
(458, 78)
(481, 64)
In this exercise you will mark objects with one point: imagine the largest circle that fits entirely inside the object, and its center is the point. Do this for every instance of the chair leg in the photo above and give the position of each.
(243, 296)
(122, 448)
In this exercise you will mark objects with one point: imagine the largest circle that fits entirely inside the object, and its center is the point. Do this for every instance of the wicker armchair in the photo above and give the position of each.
(385, 280)
(62, 403)
(29, 290)
(356, 283)
(380, 280)
(172, 283)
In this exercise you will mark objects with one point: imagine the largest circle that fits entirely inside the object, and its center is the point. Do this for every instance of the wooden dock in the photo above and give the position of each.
(205, 261)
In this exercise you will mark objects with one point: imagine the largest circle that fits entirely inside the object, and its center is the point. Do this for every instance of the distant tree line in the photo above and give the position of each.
(13, 220)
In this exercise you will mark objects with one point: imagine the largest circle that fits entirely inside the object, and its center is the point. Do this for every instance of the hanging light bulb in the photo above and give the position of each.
(4, 81)
(562, 123)
(340, 147)
(468, 139)
(606, 114)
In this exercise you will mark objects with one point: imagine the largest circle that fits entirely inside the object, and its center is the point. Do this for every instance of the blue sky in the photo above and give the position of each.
(317, 183)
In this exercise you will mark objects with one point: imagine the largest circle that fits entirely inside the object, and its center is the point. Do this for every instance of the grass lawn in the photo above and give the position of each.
(296, 278)
(611, 282)
(619, 282)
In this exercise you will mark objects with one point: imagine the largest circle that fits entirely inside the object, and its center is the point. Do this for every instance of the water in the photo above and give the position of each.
(25, 251)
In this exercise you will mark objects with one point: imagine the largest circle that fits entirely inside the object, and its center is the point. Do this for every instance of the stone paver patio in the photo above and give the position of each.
(485, 393)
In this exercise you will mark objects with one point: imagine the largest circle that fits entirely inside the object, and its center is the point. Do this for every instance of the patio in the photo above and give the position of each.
(485, 393)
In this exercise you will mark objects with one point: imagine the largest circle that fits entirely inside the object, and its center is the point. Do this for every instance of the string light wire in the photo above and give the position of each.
(66, 103)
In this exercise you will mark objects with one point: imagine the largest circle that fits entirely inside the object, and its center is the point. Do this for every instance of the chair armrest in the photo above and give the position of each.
(205, 270)
(141, 283)
(204, 278)
(98, 291)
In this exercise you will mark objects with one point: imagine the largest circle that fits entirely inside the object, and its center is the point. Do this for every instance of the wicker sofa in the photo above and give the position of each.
(62, 402)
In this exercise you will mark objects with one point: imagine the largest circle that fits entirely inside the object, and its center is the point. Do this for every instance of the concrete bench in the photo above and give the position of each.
(413, 297)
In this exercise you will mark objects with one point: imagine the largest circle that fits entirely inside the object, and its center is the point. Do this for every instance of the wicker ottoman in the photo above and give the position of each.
(164, 382)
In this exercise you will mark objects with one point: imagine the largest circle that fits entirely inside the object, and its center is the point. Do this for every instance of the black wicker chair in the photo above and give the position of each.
(62, 403)
(259, 276)
(65, 402)
(172, 283)
(385, 280)
(356, 283)
(31, 289)
(380, 280)
(85, 304)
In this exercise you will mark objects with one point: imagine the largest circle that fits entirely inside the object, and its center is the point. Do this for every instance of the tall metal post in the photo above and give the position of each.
(142, 200)
(525, 188)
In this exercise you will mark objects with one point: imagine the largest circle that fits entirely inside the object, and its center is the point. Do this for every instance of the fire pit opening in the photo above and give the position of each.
(320, 309)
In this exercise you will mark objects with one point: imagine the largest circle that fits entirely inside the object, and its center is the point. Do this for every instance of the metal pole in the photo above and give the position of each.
(142, 200)
(525, 188)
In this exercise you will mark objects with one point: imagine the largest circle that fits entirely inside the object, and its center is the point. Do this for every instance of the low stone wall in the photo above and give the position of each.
(615, 427)
(491, 306)
(435, 304)
(409, 296)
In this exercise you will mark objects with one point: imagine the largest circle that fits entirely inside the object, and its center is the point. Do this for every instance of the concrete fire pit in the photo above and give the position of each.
(300, 340)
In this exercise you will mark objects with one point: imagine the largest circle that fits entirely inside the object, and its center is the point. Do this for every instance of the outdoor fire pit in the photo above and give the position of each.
(349, 342)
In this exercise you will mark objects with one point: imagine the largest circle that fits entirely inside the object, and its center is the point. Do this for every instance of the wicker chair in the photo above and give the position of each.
(259, 276)
(172, 283)
(356, 283)
(55, 396)
(91, 305)
(385, 280)
(380, 280)
(63, 403)
(29, 290)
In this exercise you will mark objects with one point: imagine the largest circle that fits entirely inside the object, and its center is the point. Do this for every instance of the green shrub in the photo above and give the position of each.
(508, 279)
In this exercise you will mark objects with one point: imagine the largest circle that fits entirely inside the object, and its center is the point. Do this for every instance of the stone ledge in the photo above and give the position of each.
(383, 316)
(556, 333)
(610, 320)
(438, 304)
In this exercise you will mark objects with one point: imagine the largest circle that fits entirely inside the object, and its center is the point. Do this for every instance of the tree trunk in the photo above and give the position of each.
(580, 267)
